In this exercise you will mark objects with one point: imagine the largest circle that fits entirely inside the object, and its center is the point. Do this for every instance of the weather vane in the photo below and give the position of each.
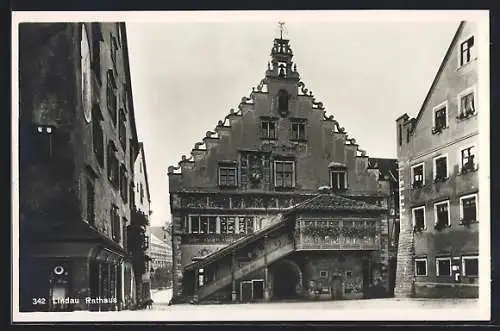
(282, 29)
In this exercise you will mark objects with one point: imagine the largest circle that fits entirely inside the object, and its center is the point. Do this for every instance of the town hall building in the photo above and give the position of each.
(278, 202)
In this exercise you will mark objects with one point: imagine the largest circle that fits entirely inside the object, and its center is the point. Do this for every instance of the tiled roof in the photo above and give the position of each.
(333, 202)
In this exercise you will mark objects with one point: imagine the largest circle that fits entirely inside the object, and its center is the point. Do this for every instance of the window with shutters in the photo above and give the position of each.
(111, 96)
(116, 228)
(123, 183)
(122, 130)
(96, 50)
(113, 164)
(98, 135)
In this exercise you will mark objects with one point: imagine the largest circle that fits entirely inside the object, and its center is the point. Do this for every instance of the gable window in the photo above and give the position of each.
(440, 118)
(298, 130)
(467, 103)
(443, 266)
(418, 217)
(116, 228)
(466, 51)
(268, 129)
(338, 179)
(90, 203)
(440, 168)
(470, 266)
(442, 214)
(467, 160)
(421, 267)
(122, 132)
(97, 135)
(417, 176)
(468, 209)
(283, 101)
(284, 174)
(227, 176)
(123, 183)
(111, 96)
(112, 164)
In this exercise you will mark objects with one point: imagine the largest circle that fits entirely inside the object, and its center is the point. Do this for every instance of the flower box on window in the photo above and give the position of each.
(467, 222)
(439, 179)
(437, 129)
(417, 185)
(418, 228)
(468, 167)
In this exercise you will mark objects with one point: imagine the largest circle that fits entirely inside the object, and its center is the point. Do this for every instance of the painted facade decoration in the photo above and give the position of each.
(279, 188)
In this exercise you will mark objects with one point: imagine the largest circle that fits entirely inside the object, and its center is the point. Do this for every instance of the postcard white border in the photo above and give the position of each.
(209, 313)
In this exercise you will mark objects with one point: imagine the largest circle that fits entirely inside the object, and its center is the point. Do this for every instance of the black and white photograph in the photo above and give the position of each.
(251, 166)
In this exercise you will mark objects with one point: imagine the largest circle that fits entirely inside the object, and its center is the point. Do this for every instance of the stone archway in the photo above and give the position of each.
(287, 280)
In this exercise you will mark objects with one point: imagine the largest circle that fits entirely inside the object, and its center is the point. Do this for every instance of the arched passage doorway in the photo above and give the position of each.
(286, 280)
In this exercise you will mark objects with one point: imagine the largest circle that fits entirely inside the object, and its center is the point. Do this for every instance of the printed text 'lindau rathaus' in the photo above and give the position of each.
(279, 203)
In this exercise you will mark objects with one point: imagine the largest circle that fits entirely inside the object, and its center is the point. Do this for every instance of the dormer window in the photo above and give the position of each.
(227, 176)
(338, 177)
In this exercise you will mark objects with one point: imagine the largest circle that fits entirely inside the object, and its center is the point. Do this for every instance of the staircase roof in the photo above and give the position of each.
(334, 202)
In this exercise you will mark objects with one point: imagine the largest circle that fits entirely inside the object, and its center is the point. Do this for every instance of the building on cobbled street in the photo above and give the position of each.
(279, 203)
(438, 178)
(78, 144)
(140, 250)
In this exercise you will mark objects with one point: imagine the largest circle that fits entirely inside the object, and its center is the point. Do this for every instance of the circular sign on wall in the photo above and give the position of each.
(86, 75)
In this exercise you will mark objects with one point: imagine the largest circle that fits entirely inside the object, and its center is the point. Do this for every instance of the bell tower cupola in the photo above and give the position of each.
(281, 66)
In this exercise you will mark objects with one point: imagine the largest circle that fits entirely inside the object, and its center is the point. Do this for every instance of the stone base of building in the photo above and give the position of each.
(446, 290)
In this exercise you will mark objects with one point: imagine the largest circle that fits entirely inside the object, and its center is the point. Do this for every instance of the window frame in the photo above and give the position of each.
(412, 176)
(293, 173)
(472, 56)
(338, 171)
(470, 257)
(461, 209)
(227, 167)
(268, 121)
(434, 168)
(299, 122)
(471, 89)
(437, 266)
(438, 107)
(420, 259)
(323, 274)
(413, 220)
(473, 148)
(447, 202)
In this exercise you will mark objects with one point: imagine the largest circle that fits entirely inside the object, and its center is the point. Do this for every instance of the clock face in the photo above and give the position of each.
(86, 76)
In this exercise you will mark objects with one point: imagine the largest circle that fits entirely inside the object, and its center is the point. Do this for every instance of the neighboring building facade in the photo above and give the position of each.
(438, 177)
(141, 212)
(280, 203)
(161, 257)
(161, 254)
(77, 144)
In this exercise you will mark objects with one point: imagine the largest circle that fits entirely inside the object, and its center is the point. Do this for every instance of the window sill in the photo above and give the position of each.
(466, 64)
(464, 117)
(440, 180)
(417, 187)
(438, 131)
(441, 227)
(301, 140)
(268, 138)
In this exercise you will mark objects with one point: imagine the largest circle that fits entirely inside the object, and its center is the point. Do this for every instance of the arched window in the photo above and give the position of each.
(283, 101)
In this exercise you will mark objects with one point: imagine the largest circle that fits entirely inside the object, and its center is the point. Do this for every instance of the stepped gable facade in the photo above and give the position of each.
(279, 187)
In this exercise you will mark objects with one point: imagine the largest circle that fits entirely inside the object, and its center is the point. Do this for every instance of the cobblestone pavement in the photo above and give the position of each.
(373, 309)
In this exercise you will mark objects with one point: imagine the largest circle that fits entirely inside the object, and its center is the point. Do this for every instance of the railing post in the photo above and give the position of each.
(233, 280)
